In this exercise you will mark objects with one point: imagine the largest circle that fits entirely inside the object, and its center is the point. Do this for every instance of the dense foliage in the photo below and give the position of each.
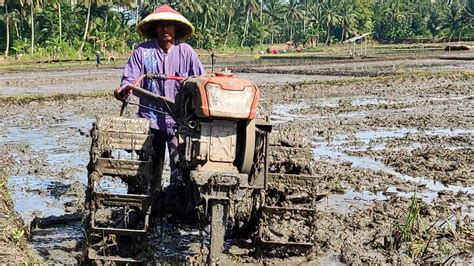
(69, 28)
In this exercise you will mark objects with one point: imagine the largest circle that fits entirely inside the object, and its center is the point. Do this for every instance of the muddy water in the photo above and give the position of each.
(334, 151)
(352, 132)
(430, 188)
(47, 147)
(49, 180)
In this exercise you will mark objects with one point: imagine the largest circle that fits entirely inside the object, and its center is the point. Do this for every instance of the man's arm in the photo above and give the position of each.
(131, 73)
(196, 68)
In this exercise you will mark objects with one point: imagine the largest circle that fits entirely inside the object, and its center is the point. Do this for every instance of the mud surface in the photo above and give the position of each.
(99, 80)
(393, 165)
(361, 68)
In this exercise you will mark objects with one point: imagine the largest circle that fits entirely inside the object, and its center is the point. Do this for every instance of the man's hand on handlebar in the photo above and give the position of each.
(122, 94)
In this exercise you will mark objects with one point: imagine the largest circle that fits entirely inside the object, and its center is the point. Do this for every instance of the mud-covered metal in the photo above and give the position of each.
(228, 175)
(121, 149)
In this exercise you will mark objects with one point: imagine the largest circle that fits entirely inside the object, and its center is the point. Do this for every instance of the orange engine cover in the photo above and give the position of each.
(225, 96)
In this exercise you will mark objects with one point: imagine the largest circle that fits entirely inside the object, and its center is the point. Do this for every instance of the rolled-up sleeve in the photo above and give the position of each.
(133, 69)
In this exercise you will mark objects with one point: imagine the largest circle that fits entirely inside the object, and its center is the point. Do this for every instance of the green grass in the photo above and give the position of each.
(412, 234)
(425, 243)
(14, 229)
(414, 225)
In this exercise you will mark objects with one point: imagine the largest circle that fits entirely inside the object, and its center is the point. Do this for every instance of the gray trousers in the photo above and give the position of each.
(160, 140)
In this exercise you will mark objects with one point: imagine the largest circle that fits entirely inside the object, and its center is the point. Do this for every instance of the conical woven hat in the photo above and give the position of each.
(146, 27)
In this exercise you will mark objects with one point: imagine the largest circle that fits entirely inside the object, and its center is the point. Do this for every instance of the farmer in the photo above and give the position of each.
(97, 58)
(163, 53)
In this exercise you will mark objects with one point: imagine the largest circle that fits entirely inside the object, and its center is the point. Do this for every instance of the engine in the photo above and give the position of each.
(222, 143)
(217, 133)
(223, 159)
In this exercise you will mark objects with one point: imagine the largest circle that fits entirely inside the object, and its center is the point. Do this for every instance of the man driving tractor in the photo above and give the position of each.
(163, 53)
(222, 156)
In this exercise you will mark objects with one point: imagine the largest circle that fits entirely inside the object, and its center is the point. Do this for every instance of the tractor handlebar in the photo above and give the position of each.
(160, 76)
(165, 102)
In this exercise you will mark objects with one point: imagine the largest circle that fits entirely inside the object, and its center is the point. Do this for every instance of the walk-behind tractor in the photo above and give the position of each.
(232, 179)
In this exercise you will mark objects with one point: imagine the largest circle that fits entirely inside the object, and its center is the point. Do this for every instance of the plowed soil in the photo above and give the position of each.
(392, 160)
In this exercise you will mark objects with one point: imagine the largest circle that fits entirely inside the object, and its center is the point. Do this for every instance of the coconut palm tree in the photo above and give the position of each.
(273, 28)
(57, 5)
(347, 18)
(250, 9)
(450, 18)
(210, 13)
(364, 15)
(32, 10)
(32, 5)
(88, 4)
(293, 13)
(229, 10)
(274, 8)
(7, 24)
(305, 4)
(467, 17)
(330, 17)
(314, 13)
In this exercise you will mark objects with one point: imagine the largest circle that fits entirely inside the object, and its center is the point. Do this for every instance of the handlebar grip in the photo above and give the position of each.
(160, 76)
(157, 76)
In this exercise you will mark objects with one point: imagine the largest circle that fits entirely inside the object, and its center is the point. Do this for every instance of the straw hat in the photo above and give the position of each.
(147, 28)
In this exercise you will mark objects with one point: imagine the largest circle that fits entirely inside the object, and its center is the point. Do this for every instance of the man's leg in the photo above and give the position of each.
(159, 146)
(172, 142)
(174, 157)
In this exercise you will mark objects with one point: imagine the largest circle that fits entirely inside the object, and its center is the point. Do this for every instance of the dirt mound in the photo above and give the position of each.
(458, 48)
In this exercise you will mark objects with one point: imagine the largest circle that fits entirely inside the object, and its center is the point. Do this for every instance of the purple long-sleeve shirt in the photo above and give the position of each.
(148, 57)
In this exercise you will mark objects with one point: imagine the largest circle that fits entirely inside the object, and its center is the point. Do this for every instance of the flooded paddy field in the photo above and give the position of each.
(361, 67)
(105, 80)
(393, 161)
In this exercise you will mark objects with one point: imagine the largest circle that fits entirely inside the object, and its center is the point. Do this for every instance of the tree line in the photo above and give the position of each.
(77, 28)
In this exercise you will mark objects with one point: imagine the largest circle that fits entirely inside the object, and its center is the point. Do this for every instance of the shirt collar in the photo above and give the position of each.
(169, 50)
